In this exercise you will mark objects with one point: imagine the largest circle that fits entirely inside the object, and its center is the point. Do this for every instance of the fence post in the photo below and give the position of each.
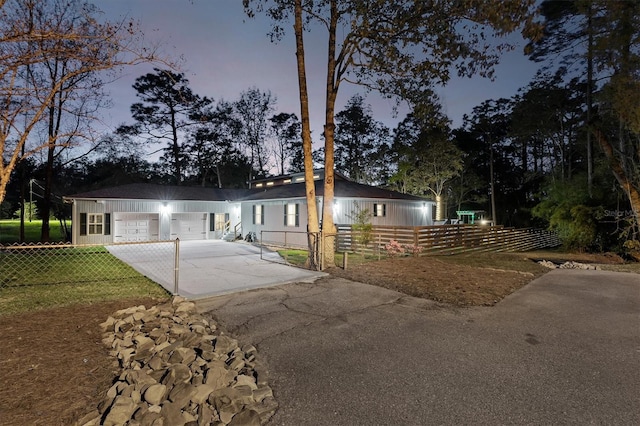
(318, 240)
(176, 267)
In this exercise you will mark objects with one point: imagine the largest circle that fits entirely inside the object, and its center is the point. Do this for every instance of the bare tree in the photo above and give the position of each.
(252, 111)
(33, 37)
(286, 132)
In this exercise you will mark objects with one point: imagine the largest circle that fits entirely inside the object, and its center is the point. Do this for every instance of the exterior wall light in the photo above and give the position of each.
(165, 208)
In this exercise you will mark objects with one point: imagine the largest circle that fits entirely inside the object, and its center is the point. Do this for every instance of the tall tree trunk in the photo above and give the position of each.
(328, 226)
(589, 97)
(45, 211)
(175, 149)
(494, 216)
(439, 207)
(312, 210)
(54, 126)
(23, 183)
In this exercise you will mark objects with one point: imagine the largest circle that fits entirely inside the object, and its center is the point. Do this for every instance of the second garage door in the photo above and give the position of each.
(189, 226)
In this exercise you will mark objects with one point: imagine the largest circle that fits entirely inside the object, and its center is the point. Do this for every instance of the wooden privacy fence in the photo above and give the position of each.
(445, 239)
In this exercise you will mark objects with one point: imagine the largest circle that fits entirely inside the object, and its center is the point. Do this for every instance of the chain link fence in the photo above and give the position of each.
(54, 264)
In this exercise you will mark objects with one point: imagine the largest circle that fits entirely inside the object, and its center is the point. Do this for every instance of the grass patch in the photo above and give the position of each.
(10, 231)
(295, 257)
(51, 277)
(298, 257)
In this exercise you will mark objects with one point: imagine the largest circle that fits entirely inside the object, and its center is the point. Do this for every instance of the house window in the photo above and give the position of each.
(95, 223)
(380, 210)
(258, 214)
(218, 221)
(291, 215)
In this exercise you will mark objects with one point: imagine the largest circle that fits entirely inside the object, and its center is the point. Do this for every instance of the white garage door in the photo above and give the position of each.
(135, 227)
(189, 226)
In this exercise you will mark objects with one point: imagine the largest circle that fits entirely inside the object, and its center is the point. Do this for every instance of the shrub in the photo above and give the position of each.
(394, 248)
(413, 249)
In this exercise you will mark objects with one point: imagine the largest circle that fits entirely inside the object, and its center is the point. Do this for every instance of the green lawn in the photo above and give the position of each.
(298, 257)
(43, 278)
(10, 231)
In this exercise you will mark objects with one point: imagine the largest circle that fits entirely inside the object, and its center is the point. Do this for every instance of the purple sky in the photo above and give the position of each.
(226, 53)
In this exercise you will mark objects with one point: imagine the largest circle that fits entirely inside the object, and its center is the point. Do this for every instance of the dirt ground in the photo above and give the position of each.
(53, 364)
(55, 369)
(437, 280)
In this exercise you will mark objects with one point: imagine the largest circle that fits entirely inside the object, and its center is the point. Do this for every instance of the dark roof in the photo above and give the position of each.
(342, 188)
(147, 191)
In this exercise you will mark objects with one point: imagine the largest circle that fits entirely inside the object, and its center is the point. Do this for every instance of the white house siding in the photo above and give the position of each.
(163, 210)
(397, 212)
(274, 228)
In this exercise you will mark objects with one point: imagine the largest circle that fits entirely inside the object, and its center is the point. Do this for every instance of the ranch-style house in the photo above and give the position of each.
(269, 209)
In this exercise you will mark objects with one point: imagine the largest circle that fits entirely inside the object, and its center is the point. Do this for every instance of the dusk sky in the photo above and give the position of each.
(226, 53)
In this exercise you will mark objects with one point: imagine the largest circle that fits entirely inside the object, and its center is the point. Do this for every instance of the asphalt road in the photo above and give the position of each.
(563, 350)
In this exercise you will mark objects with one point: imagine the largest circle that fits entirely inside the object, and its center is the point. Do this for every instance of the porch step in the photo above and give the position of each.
(229, 236)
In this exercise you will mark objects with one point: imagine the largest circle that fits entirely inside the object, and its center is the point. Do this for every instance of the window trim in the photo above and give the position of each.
(295, 215)
(95, 224)
(375, 209)
(257, 214)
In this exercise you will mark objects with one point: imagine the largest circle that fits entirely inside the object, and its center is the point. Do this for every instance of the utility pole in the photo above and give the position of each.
(30, 199)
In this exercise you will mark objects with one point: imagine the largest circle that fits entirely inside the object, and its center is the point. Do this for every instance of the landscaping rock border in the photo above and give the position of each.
(179, 369)
(568, 265)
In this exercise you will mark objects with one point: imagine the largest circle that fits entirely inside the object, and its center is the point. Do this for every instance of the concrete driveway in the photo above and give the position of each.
(563, 350)
(211, 267)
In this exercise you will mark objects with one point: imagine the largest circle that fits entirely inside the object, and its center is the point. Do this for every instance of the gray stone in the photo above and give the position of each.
(246, 418)
(108, 324)
(206, 415)
(155, 362)
(198, 328)
(143, 342)
(151, 418)
(187, 307)
(182, 355)
(178, 373)
(244, 380)
(261, 393)
(172, 414)
(224, 344)
(189, 419)
(202, 393)
(243, 393)
(208, 355)
(236, 364)
(177, 300)
(266, 409)
(89, 419)
(181, 394)
(218, 375)
(155, 394)
(120, 412)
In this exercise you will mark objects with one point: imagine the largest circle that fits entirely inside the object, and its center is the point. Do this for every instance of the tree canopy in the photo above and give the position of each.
(32, 34)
